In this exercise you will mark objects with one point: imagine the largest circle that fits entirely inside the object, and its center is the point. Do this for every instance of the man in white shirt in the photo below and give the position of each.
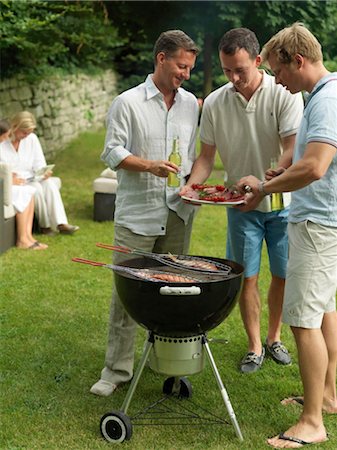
(251, 121)
(141, 126)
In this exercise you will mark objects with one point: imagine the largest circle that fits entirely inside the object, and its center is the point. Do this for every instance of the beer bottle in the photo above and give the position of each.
(173, 179)
(276, 198)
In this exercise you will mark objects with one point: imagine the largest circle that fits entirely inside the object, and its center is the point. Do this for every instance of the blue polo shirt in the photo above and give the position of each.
(317, 202)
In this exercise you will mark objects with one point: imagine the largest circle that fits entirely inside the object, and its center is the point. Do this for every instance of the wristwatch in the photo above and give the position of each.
(261, 188)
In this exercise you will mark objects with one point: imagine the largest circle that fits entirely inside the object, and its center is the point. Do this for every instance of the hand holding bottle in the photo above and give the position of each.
(173, 179)
(276, 200)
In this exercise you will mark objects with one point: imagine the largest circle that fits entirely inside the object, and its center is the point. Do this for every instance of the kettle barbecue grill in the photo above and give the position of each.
(177, 317)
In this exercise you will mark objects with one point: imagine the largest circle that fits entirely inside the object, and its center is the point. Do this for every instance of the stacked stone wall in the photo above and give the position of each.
(62, 106)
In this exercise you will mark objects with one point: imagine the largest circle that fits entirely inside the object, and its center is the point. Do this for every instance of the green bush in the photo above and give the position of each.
(40, 36)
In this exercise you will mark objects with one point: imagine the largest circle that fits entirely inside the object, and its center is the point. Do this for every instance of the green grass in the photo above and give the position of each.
(54, 316)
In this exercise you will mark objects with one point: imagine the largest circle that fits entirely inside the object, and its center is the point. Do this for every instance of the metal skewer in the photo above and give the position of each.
(144, 274)
(166, 259)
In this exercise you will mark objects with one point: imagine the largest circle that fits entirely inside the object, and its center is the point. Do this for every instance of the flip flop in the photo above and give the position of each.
(42, 245)
(299, 441)
(37, 246)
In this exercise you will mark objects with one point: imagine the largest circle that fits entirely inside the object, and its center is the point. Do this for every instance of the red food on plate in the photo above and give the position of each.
(214, 194)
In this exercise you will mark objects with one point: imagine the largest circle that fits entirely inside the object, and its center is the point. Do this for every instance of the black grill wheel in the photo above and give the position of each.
(185, 389)
(116, 427)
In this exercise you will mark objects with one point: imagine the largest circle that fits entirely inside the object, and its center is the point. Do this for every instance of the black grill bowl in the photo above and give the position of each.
(178, 315)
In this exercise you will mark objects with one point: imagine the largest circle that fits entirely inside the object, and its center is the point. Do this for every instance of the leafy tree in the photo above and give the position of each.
(37, 35)
(206, 22)
(210, 20)
(267, 17)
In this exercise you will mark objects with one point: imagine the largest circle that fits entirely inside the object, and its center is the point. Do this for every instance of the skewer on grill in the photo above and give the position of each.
(194, 263)
(144, 274)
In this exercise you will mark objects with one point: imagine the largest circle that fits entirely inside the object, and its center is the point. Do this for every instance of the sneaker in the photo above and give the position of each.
(278, 353)
(103, 388)
(252, 362)
(66, 228)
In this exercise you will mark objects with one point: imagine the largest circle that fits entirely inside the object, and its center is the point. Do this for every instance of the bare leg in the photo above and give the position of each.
(275, 302)
(313, 363)
(23, 239)
(30, 217)
(24, 225)
(250, 308)
(329, 330)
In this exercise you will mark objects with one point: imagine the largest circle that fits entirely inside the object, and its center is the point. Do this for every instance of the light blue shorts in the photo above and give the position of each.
(246, 233)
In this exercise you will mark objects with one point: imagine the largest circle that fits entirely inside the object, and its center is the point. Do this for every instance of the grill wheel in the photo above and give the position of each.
(180, 386)
(116, 427)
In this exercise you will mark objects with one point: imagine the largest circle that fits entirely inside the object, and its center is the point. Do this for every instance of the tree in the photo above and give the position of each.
(210, 20)
(206, 22)
(37, 35)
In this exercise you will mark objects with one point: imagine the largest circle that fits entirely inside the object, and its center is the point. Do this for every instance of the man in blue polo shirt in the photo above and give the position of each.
(295, 57)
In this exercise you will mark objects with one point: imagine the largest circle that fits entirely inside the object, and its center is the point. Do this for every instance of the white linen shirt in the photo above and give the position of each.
(27, 159)
(139, 123)
(247, 134)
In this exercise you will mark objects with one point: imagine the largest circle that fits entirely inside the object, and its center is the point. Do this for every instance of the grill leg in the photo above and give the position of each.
(222, 389)
(138, 373)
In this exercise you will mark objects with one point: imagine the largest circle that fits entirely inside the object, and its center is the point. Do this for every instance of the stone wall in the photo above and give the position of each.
(62, 106)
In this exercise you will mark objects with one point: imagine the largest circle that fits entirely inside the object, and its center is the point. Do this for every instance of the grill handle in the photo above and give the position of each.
(175, 290)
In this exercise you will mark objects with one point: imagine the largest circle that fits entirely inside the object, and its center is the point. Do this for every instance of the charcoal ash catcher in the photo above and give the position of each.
(177, 317)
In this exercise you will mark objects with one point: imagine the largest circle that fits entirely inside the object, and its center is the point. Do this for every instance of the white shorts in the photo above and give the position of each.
(311, 282)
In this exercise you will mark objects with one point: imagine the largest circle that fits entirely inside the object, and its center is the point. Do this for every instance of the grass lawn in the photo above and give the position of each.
(54, 316)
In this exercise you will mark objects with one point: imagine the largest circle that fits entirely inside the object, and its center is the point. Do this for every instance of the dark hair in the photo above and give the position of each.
(171, 41)
(4, 126)
(239, 38)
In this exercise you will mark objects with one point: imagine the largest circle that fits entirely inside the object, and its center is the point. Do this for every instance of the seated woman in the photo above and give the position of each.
(24, 152)
(23, 202)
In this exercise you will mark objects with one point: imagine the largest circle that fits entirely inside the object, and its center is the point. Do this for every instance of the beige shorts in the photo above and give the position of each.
(311, 281)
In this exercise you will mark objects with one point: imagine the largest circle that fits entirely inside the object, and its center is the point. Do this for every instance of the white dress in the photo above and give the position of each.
(21, 196)
(25, 161)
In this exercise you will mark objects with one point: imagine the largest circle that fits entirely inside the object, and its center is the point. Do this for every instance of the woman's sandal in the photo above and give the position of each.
(38, 246)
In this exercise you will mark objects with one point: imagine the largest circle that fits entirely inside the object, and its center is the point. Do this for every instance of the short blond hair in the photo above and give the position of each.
(296, 39)
(23, 120)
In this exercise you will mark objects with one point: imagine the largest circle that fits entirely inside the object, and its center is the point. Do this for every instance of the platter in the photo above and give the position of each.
(205, 194)
(207, 202)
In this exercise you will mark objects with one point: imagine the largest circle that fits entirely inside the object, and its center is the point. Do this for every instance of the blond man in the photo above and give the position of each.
(309, 307)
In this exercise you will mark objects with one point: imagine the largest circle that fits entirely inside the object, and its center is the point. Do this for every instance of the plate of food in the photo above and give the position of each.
(206, 194)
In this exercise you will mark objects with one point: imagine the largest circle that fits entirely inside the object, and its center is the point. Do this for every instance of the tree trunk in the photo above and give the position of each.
(208, 52)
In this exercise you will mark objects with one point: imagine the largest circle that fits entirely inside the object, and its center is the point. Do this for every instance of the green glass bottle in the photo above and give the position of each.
(173, 179)
(276, 198)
